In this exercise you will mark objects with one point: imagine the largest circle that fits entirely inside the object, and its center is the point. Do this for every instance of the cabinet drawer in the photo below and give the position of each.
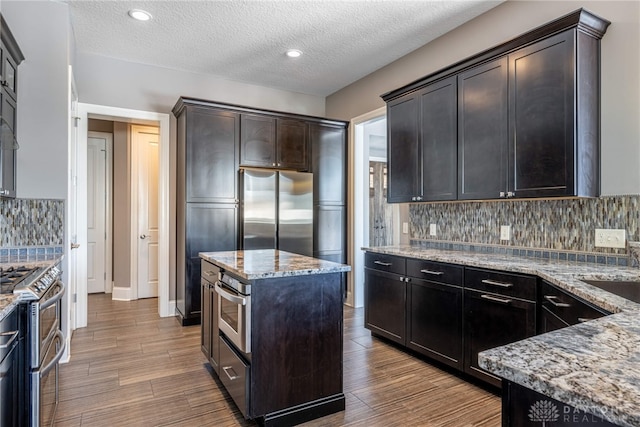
(513, 285)
(567, 307)
(435, 271)
(209, 271)
(235, 375)
(388, 263)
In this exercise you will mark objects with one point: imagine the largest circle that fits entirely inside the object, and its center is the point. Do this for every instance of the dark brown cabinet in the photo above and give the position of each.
(499, 308)
(272, 142)
(528, 120)
(209, 333)
(206, 195)
(10, 58)
(482, 131)
(329, 167)
(385, 296)
(434, 311)
(559, 309)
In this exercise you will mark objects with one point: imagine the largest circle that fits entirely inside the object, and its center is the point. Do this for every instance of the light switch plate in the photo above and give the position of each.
(505, 232)
(610, 238)
(432, 230)
(405, 228)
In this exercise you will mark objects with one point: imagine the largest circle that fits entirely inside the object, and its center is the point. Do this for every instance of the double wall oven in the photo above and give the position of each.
(40, 292)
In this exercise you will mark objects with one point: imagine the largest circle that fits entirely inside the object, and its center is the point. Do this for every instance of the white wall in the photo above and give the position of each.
(42, 32)
(108, 81)
(620, 70)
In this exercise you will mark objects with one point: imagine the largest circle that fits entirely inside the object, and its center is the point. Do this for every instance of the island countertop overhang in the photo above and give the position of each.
(271, 263)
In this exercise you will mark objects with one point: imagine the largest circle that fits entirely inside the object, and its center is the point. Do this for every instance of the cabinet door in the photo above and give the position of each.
(435, 321)
(329, 231)
(492, 320)
(385, 297)
(328, 164)
(9, 79)
(541, 117)
(482, 131)
(403, 149)
(292, 145)
(211, 169)
(258, 141)
(205, 311)
(439, 140)
(7, 146)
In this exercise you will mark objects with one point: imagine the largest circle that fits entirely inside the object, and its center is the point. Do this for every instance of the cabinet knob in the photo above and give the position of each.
(502, 194)
(273, 164)
(511, 194)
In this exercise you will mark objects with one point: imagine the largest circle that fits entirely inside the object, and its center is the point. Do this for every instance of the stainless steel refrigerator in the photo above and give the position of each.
(277, 210)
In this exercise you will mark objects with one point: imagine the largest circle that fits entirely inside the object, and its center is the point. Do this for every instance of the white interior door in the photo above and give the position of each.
(146, 160)
(72, 223)
(97, 144)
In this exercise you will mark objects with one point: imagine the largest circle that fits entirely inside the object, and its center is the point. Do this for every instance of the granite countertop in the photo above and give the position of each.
(593, 366)
(9, 301)
(271, 263)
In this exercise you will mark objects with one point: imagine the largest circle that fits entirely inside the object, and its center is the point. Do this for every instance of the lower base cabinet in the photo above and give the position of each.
(435, 321)
(491, 321)
(209, 334)
(385, 305)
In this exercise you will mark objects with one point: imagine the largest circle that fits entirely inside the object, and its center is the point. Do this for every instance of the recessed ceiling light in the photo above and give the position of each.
(293, 53)
(139, 14)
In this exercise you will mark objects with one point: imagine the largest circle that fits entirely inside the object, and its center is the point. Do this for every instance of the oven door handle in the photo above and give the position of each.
(13, 335)
(48, 303)
(229, 296)
(58, 356)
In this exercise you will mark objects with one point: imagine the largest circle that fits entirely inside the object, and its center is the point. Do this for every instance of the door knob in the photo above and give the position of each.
(75, 245)
(143, 236)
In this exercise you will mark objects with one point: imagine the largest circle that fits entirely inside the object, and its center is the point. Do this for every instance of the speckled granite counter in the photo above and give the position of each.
(593, 366)
(271, 263)
(9, 301)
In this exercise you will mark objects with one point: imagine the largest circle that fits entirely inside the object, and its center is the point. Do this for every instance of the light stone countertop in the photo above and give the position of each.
(593, 366)
(271, 263)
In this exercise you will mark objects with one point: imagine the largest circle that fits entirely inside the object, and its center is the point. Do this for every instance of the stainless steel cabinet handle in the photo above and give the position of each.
(495, 299)
(435, 273)
(13, 334)
(583, 319)
(226, 370)
(143, 236)
(552, 299)
(496, 283)
(384, 264)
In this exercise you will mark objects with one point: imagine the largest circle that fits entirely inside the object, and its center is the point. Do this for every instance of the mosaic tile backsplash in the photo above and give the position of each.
(551, 226)
(31, 223)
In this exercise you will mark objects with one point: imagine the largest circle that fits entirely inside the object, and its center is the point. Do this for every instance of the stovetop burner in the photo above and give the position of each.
(11, 276)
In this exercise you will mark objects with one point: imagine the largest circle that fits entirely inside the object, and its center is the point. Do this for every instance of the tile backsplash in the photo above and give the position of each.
(554, 227)
(31, 223)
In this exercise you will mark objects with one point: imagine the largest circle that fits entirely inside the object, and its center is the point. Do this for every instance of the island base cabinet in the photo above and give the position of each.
(491, 321)
(522, 407)
(435, 321)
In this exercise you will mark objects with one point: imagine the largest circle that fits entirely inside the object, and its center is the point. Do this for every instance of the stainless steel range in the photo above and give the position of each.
(40, 292)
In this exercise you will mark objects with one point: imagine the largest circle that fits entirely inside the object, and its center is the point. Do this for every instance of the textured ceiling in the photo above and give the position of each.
(342, 41)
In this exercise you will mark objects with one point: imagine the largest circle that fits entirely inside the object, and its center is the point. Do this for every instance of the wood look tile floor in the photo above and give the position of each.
(130, 367)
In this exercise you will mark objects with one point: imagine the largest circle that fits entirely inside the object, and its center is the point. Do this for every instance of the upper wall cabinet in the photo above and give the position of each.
(271, 142)
(10, 58)
(527, 115)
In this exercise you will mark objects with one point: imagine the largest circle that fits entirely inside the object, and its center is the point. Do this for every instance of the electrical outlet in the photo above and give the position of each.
(610, 238)
(505, 232)
(405, 228)
(432, 230)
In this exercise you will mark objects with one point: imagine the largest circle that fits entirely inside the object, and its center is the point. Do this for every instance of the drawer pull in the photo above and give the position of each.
(495, 299)
(583, 319)
(384, 264)
(496, 283)
(435, 273)
(552, 299)
(232, 376)
(209, 273)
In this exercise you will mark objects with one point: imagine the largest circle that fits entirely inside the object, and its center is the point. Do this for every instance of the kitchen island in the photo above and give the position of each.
(273, 323)
(593, 367)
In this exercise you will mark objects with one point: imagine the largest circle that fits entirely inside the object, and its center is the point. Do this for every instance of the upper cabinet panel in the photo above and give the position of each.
(528, 120)
(258, 141)
(292, 144)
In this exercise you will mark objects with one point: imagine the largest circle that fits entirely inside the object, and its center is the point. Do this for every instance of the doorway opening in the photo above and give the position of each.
(372, 221)
(160, 198)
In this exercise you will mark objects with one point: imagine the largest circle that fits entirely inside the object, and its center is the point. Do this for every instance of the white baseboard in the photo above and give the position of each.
(121, 294)
(172, 308)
